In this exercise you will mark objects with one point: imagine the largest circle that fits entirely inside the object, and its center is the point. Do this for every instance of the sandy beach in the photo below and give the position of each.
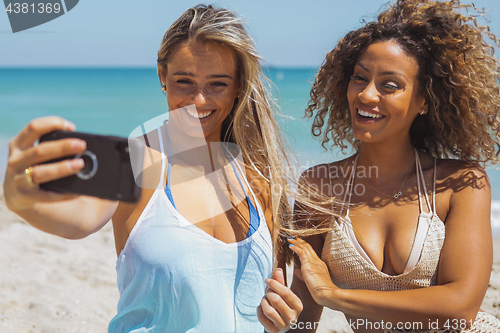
(49, 284)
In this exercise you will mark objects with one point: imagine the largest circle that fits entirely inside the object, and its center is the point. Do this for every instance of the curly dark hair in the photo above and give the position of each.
(457, 72)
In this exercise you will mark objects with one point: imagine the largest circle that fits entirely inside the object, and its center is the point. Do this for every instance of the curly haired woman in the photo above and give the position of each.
(416, 93)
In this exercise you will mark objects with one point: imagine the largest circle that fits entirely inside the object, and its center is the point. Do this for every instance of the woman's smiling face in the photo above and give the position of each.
(206, 75)
(384, 94)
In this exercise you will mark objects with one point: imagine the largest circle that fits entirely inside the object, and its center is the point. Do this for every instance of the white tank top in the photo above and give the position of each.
(174, 277)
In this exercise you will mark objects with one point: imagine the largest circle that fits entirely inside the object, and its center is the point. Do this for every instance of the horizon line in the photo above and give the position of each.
(22, 67)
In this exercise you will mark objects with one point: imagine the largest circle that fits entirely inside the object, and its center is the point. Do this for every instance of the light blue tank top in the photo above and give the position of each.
(174, 277)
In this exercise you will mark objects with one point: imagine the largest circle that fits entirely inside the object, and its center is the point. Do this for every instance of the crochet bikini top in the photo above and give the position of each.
(351, 268)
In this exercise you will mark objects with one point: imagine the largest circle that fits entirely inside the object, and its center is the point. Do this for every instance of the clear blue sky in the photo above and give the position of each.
(288, 33)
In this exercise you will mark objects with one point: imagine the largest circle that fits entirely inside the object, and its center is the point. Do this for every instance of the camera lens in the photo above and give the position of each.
(90, 168)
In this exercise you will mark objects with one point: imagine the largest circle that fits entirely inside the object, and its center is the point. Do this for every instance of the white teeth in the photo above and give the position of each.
(199, 115)
(368, 114)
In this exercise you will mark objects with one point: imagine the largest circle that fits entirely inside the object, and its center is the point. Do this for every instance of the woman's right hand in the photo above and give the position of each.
(21, 193)
(280, 307)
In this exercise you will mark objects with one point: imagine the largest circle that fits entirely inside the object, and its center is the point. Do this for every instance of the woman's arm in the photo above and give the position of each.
(65, 215)
(463, 272)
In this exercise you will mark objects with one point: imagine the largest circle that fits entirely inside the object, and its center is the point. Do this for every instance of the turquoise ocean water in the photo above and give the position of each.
(116, 101)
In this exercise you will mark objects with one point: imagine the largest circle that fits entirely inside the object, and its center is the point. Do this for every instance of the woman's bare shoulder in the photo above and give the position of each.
(457, 175)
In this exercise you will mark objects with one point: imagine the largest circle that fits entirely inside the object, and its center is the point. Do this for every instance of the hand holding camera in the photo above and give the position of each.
(107, 171)
(52, 163)
(24, 171)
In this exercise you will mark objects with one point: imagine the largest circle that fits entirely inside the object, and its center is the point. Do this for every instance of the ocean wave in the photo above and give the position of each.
(495, 217)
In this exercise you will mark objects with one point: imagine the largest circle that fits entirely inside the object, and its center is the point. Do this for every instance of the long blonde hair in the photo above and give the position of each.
(251, 124)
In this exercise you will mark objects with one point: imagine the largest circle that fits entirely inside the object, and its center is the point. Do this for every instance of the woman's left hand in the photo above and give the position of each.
(313, 271)
(280, 307)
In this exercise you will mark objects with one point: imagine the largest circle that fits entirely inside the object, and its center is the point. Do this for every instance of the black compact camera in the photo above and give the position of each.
(107, 173)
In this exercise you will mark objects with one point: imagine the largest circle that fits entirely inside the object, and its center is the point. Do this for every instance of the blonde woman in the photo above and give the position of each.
(410, 248)
(181, 267)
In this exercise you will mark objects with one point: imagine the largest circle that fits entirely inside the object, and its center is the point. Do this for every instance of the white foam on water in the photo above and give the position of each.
(495, 218)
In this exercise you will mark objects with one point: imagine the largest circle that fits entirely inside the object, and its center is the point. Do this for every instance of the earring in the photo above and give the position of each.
(423, 112)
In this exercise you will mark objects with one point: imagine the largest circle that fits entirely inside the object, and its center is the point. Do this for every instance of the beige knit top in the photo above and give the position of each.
(350, 269)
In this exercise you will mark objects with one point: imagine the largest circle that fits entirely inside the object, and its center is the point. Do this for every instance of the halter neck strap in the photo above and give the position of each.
(422, 188)
(434, 188)
(350, 186)
(162, 150)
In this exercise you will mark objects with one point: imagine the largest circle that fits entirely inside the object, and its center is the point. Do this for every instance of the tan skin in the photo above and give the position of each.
(203, 74)
(462, 201)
